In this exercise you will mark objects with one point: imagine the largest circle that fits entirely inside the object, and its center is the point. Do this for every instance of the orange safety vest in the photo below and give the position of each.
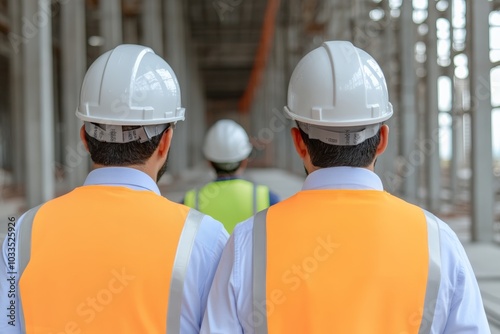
(102, 260)
(345, 261)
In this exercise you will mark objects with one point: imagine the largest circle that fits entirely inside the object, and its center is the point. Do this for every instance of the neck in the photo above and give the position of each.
(222, 176)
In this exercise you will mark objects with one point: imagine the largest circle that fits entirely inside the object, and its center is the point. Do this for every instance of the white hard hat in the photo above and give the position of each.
(226, 142)
(130, 85)
(338, 86)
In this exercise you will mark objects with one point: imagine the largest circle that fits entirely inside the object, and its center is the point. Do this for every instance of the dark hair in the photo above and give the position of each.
(122, 154)
(325, 155)
(225, 168)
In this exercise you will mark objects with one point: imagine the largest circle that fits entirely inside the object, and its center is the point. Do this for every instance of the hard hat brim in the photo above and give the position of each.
(103, 120)
(340, 124)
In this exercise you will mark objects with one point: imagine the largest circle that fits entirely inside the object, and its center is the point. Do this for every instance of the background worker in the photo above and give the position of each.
(229, 199)
(114, 256)
(342, 255)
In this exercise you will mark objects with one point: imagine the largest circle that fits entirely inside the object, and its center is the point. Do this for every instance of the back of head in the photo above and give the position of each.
(129, 97)
(226, 145)
(338, 96)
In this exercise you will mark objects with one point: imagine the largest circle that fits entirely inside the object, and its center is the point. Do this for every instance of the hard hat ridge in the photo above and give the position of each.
(340, 86)
(130, 85)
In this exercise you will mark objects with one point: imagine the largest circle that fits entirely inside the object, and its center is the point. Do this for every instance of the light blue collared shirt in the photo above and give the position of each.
(459, 308)
(205, 256)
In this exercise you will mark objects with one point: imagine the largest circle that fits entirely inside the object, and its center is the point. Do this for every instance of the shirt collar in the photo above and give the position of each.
(122, 177)
(343, 178)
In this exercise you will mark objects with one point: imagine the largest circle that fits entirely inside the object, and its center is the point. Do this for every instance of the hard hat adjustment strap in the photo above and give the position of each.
(115, 133)
(339, 136)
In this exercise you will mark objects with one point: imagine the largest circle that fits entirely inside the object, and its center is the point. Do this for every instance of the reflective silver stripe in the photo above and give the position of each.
(196, 194)
(24, 252)
(186, 242)
(434, 276)
(259, 271)
(254, 198)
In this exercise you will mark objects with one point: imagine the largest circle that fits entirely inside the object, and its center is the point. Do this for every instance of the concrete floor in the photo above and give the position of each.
(485, 258)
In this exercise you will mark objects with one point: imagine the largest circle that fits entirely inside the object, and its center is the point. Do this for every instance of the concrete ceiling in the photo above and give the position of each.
(226, 35)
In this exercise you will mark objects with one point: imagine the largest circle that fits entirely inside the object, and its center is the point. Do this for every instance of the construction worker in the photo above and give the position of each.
(342, 255)
(229, 198)
(114, 256)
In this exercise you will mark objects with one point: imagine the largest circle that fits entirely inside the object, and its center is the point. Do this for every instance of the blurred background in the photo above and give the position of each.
(233, 59)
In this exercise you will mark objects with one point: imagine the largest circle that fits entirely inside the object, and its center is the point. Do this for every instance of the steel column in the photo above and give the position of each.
(73, 66)
(175, 54)
(111, 23)
(481, 154)
(38, 108)
(16, 90)
(410, 160)
(151, 25)
(431, 141)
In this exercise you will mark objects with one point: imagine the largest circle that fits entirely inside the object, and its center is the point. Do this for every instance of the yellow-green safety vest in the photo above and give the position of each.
(229, 201)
